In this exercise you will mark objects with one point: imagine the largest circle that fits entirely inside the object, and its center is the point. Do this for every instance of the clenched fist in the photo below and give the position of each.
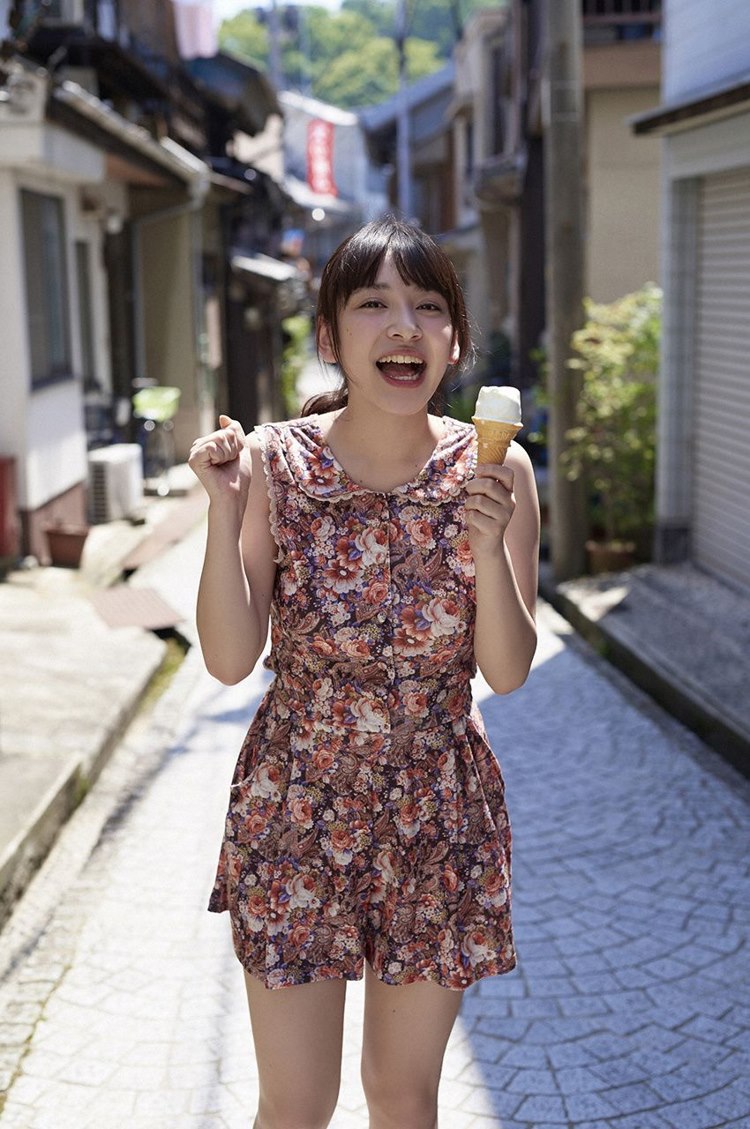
(221, 461)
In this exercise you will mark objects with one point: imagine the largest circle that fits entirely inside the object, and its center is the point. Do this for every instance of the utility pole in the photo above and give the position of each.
(563, 199)
(276, 73)
(403, 156)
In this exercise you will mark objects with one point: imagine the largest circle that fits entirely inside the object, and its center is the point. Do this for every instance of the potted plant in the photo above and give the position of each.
(65, 542)
(613, 444)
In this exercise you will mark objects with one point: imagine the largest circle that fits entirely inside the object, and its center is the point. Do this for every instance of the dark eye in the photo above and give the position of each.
(371, 303)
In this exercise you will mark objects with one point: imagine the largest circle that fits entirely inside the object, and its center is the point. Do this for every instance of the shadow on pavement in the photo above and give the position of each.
(630, 1006)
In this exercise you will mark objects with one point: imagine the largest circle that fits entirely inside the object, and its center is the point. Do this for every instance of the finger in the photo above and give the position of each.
(226, 423)
(495, 471)
(214, 450)
(489, 488)
(494, 523)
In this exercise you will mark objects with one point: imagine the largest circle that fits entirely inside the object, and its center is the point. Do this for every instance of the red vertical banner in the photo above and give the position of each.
(320, 157)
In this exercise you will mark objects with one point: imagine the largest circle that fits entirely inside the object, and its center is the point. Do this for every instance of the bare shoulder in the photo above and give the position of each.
(519, 462)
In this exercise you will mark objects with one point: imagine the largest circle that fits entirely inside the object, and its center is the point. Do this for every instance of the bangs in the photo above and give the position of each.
(419, 262)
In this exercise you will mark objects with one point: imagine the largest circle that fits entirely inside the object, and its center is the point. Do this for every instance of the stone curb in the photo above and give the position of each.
(51, 807)
(27, 850)
(661, 679)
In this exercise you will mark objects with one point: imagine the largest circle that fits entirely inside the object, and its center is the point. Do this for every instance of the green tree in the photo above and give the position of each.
(330, 34)
(348, 57)
(246, 36)
(380, 13)
(613, 446)
(435, 20)
(358, 78)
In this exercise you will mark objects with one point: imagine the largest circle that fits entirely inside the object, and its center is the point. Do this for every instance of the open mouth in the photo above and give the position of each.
(400, 368)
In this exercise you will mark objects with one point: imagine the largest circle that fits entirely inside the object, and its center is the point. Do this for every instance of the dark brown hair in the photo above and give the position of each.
(354, 265)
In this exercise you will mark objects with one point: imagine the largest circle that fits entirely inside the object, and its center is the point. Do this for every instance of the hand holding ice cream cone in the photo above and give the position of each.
(497, 418)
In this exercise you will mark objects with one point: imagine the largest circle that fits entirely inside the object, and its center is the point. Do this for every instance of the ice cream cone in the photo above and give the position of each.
(493, 439)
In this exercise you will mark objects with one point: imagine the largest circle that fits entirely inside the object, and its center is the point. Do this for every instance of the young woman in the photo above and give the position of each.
(367, 832)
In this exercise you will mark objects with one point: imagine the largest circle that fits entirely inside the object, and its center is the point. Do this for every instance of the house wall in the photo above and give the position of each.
(704, 43)
(700, 53)
(167, 250)
(623, 187)
(43, 429)
(350, 161)
(14, 355)
(479, 243)
(713, 147)
(53, 461)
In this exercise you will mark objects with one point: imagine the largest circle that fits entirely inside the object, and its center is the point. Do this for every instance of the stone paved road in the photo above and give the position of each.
(123, 1005)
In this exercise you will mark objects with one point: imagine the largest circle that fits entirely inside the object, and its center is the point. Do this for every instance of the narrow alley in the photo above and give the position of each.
(123, 1004)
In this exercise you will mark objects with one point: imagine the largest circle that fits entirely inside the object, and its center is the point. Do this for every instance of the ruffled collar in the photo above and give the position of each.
(317, 471)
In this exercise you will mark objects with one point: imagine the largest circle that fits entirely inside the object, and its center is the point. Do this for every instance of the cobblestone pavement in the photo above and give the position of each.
(123, 1004)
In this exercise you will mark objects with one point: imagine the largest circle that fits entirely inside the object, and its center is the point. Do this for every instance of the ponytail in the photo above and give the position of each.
(326, 402)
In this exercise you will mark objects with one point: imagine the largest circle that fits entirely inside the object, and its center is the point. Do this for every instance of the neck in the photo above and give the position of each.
(367, 426)
(380, 450)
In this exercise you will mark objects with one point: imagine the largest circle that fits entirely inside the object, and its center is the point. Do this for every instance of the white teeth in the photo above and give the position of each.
(400, 359)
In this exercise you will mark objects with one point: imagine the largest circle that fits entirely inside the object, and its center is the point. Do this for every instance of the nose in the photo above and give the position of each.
(404, 325)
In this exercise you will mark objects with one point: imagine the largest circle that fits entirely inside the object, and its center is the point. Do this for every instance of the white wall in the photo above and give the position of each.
(56, 456)
(42, 429)
(14, 355)
(624, 186)
(349, 153)
(704, 43)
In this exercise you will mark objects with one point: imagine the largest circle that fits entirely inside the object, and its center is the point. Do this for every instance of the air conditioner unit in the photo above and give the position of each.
(115, 482)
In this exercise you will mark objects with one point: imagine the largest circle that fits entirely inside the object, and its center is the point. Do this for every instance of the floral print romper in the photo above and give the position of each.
(367, 817)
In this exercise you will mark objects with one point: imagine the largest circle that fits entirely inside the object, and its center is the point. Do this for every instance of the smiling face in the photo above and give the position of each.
(393, 341)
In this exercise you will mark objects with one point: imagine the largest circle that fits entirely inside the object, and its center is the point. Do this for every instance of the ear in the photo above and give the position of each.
(455, 352)
(325, 344)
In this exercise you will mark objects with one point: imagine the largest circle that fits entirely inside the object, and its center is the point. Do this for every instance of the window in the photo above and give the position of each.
(46, 287)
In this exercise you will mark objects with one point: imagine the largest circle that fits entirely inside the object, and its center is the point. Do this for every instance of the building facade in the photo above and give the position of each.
(123, 226)
(703, 475)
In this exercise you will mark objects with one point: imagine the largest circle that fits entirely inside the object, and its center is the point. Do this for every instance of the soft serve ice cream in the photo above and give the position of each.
(497, 418)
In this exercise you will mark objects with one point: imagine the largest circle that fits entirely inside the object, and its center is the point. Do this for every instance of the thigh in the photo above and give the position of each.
(406, 1030)
(298, 1034)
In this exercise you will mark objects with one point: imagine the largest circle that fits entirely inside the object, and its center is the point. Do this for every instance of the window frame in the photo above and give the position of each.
(47, 287)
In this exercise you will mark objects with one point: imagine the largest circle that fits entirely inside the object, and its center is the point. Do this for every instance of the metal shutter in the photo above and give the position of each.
(721, 429)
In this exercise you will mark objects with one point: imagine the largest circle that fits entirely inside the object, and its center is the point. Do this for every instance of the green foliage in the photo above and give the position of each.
(461, 404)
(433, 20)
(296, 331)
(380, 13)
(359, 78)
(613, 445)
(245, 36)
(349, 58)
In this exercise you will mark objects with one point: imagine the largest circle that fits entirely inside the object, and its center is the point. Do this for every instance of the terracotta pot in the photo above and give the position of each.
(65, 544)
(610, 556)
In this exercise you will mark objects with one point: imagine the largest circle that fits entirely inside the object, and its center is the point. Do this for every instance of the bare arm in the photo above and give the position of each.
(234, 596)
(502, 513)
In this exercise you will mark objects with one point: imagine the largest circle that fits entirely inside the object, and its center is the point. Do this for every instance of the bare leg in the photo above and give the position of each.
(298, 1034)
(406, 1032)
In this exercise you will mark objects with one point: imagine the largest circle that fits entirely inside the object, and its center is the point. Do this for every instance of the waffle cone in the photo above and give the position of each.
(493, 439)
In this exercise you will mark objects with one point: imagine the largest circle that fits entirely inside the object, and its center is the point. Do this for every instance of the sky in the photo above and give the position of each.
(223, 9)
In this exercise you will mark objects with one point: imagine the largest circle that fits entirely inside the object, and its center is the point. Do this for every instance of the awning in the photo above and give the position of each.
(242, 90)
(82, 112)
(728, 98)
(265, 266)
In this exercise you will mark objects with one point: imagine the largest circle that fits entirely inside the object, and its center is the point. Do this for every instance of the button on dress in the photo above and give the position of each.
(367, 818)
